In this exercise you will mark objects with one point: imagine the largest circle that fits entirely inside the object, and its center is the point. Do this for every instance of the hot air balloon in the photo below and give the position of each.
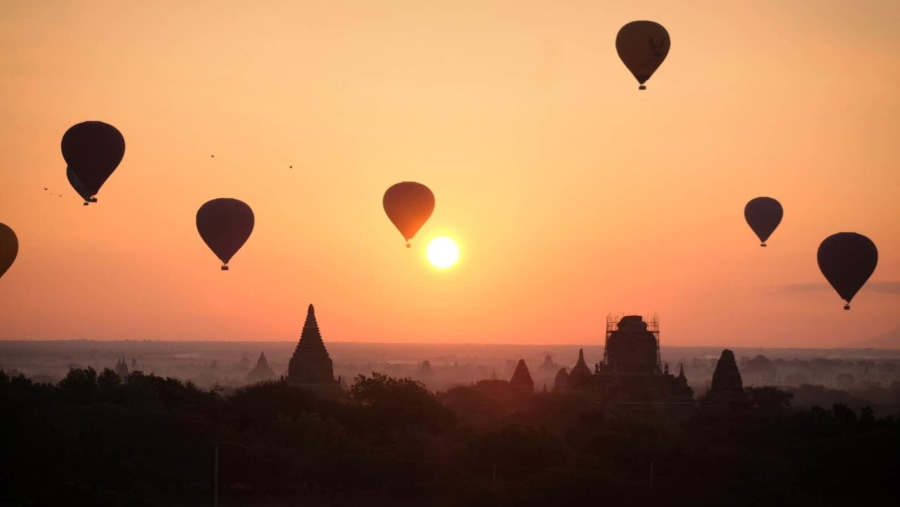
(92, 150)
(9, 248)
(847, 260)
(763, 214)
(225, 224)
(642, 46)
(79, 186)
(409, 205)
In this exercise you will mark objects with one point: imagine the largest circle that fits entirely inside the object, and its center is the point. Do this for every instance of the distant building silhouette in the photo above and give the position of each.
(121, 368)
(726, 385)
(310, 366)
(561, 382)
(580, 377)
(261, 372)
(759, 371)
(631, 370)
(521, 384)
(549, 366)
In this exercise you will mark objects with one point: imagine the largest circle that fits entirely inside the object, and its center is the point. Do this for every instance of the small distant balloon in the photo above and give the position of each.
(9, 248)
(763, 214)
(642, 46)
(408, 205)
(92, 150)
(847, 259)
(225, 225)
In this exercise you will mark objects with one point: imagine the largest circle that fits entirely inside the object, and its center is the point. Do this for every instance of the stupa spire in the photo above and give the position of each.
(310, 363)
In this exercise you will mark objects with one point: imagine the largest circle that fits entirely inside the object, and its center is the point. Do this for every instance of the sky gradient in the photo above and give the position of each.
(571, 194)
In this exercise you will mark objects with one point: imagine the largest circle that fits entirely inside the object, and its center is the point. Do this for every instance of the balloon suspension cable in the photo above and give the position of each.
(224, 267)
(847, 306)
(642, 87)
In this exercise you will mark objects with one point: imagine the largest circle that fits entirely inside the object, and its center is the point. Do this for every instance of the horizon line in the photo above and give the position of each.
(72, 340)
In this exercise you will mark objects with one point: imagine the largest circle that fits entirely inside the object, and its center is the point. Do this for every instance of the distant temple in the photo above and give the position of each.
(311, 367)
(631, 370)
(261, 372)
(549, 366)
(521, 384)
(726, 387)
(122, 368)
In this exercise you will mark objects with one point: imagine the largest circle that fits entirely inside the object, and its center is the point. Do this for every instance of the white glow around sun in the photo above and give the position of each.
(442, 252)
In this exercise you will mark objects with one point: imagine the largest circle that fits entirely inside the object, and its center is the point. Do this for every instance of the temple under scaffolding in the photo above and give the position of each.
(631, 370)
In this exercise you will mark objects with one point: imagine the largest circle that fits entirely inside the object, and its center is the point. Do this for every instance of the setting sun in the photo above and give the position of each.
(442, 252)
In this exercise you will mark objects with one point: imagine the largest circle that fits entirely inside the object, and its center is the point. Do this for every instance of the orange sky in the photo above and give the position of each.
(571, 193)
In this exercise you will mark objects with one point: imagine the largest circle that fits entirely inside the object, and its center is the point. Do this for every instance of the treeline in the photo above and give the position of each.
(98, 439)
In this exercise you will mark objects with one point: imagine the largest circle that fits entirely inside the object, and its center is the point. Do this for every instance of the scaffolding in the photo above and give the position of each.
(612, 324)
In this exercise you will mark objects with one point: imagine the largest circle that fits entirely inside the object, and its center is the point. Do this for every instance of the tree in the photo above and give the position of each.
(400, 403)
(769, 399)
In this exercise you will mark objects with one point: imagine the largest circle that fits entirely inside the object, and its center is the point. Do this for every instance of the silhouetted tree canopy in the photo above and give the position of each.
(146, 440)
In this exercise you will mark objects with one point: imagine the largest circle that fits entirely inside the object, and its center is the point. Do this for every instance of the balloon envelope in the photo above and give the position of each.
(9, 248)
(409, 205)
(79, 186)
(92, 150)
(847, 260)
(642, 46)
(225, 225)
(763, 214)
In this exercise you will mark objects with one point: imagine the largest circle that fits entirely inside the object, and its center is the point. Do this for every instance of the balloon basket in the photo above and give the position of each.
(846, 307)
(642, 87)
(762, 245)
(85, 203)
(408, 245)
(224, 268)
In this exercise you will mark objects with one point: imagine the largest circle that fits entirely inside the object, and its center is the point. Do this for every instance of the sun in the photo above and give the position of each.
(442, 252)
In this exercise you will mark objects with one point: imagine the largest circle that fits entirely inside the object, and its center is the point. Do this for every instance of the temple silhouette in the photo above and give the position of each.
(261, 372)
(631, 370)
(122, 367)
(311, 367)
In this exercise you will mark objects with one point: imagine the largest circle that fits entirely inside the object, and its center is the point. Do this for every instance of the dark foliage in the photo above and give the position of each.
(98, 439)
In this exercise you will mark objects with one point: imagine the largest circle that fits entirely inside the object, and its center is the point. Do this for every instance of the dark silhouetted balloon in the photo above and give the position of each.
(92, 150)
(225, 224)
(79, 186)
(9, 248)
(409, 205)
(847, 260)
(763, 214)
(642, 46)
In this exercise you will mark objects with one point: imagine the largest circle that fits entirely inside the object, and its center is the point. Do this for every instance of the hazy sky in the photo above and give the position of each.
(571, 193)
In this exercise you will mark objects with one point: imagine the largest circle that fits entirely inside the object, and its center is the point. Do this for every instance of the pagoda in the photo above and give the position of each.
(310, 366)
(121, 368)
(521, 384)
(261, 372)
(580, 377)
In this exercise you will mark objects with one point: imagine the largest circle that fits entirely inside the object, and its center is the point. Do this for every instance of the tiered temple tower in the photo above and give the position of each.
(311, 367)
